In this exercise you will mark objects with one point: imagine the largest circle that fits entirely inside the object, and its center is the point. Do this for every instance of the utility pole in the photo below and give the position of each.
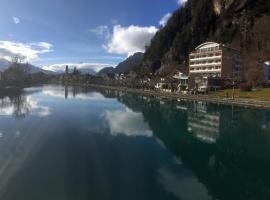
(233, 90)
(67, 70)
(233, 82)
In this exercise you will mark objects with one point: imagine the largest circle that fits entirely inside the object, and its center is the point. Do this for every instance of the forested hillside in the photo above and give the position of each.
(132, 63)
(244, 24)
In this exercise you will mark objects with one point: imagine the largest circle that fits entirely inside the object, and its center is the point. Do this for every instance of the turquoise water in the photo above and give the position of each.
(72, 143)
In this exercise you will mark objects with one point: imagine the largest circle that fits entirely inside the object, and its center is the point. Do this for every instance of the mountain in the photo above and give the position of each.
(243, 24)
(106, 70)
(132, 63)
(34, 70)
(5, 64)
(87, 71)
(83, 68)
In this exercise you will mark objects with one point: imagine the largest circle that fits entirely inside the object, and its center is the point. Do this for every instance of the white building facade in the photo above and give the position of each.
(182, 80)
(206, 59)
(216, 61)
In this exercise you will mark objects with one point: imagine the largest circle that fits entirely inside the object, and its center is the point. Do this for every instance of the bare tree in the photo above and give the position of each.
(17, 73)
(257, 51)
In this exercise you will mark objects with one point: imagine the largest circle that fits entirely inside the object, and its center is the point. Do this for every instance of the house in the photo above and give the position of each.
(131, 75)
(212, 62)
(119, 76)
(122, 76)
(163, 85)
(160, 85)
(182, 80)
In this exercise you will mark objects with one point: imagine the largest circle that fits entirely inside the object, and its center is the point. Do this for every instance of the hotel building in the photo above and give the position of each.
(214, 61)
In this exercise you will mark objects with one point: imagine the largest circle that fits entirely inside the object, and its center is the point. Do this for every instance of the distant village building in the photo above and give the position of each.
(163, 85)
(182, 80)
(159, 85)
(212, 62)
(131, 75)
(67, 70)
(119, 76)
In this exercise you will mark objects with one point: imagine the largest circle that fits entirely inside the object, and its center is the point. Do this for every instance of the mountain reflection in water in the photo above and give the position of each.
(81, 143)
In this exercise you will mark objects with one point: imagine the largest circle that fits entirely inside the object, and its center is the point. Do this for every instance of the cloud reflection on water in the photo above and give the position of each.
(126, 122)
(22, 106)
(72, 92)
(184, 186)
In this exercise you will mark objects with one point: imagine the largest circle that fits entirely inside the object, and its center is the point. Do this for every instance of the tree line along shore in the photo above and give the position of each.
(211, 98)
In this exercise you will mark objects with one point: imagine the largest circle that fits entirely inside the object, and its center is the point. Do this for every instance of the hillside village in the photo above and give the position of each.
(211, 67)
(206, 45)
(226, 47)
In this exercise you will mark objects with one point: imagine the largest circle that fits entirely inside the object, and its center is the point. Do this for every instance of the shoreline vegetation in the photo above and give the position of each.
(18, 76)
(254, 99)
(211, 98)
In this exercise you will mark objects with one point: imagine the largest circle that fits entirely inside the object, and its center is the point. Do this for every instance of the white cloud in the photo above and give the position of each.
(181, 2)
(101, 31)
(95, 67)
(42, 47)
(165, 19)
(131, 39)
(16, 20)
(26, 51)
(127, 123)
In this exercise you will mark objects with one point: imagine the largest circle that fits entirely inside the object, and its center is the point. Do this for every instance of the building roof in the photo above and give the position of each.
(180, 75)
(207, 45)
(214, 44)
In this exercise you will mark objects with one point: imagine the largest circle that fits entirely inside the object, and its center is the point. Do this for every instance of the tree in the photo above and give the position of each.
(257, 51)
(17, 73)
(76, 71)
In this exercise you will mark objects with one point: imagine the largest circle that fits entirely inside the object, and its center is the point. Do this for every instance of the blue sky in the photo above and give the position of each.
(97, 32)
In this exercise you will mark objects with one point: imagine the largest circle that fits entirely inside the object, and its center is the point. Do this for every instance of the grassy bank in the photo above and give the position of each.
(260, 94)
(217, 98)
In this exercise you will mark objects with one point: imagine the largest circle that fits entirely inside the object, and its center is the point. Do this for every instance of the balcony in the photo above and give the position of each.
(206, 64)
(199, 52)
(205, 71)
(205, 58)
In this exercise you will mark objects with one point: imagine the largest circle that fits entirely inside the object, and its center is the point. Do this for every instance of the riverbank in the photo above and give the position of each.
(243, 102)
(258, 93)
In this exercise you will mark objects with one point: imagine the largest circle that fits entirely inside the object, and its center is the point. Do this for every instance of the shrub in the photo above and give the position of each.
(245, 87)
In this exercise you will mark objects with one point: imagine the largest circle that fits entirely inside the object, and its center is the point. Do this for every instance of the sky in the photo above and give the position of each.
(87, 33)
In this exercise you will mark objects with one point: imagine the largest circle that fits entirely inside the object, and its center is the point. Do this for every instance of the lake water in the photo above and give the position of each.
(72, 143)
